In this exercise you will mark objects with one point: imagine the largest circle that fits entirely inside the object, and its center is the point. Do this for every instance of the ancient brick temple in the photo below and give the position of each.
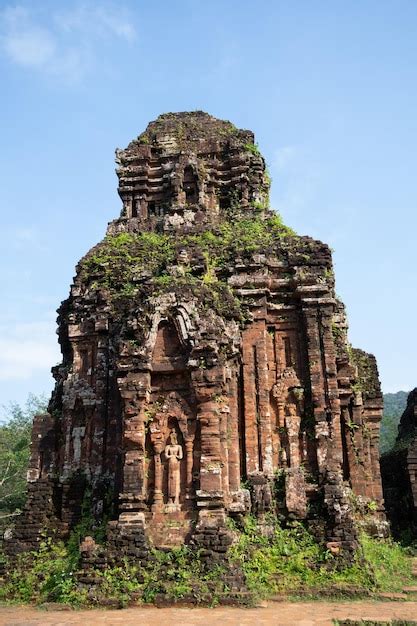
(206, 370)
(399, 472)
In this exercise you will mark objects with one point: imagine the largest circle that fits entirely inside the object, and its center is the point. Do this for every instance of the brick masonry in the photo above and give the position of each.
(171, 411)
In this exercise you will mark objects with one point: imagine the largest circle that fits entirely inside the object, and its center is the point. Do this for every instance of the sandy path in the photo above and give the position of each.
(283, 613)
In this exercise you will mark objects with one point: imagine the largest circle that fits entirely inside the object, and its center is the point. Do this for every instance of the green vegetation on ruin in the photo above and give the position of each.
(284, 560)
(367, 382)
(185, 128)
(272, 558)
(292, 562)
(127, 264)
(253, 148)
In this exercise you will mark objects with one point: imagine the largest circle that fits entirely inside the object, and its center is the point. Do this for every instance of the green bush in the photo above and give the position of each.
(49, 575)
(46, 575)
(283, 560)
(290, 560)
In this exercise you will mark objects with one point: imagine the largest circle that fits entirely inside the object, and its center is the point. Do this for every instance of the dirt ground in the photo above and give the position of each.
(282, 613)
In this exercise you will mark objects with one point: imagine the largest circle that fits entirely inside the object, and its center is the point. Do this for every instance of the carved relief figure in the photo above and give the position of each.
(174, 454)
(292, 422)
(286, 381)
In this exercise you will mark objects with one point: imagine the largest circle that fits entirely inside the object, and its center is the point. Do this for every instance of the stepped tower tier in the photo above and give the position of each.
(188, 171)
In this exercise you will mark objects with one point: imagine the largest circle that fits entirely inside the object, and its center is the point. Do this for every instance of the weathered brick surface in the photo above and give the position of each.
(174, 403)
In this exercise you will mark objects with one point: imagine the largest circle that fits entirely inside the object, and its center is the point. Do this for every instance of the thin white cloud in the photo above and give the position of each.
(117, 24)
(100, 21)
(283, 157)
(25, 42)
(27, 349)
(33, 47)
(62, 44)
(23, 237)
(296, 175)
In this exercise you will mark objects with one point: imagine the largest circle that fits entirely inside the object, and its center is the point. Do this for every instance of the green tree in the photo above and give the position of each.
(394, 406)
(15, 432)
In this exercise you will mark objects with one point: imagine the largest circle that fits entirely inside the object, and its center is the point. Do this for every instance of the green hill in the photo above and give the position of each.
(394, 405)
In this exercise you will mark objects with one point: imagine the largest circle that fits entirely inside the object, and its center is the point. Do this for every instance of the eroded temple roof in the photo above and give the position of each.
(187, 171)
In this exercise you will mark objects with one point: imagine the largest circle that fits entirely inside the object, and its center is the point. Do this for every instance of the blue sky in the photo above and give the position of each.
(329, 88)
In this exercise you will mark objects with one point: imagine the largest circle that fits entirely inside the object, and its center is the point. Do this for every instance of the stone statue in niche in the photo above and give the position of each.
(287, 381)
(174, 454)
(182, 263)
(292, 423)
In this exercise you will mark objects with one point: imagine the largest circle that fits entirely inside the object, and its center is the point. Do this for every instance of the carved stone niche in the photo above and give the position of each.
(171, 446)
(190, 185)
(170, 463)
(289, 396)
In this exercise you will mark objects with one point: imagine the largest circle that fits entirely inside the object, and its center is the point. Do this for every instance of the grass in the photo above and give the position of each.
(390, 562)
(395, 622)
(291, 561)
(286, 560)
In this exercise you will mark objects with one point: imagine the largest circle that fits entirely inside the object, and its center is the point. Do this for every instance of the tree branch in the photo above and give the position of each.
(4, 515)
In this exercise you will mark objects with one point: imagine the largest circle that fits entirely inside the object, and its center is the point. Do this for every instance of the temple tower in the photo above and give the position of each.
(206, 369)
